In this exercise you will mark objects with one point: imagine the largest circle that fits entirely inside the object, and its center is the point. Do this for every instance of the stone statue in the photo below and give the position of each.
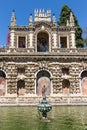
(44, 91)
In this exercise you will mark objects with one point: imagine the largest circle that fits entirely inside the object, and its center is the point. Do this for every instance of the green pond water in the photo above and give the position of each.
(27, 118)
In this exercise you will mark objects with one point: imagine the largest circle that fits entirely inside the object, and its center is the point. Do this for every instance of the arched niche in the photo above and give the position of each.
(2, 83)
(43, 79)
(20, 87)
(65, 86)
(84, 82)
(42, 42)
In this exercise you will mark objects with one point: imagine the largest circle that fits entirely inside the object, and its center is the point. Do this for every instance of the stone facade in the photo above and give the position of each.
(42, 53)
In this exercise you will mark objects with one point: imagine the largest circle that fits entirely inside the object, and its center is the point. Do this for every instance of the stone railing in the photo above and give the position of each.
(72, 51)
(56, 51)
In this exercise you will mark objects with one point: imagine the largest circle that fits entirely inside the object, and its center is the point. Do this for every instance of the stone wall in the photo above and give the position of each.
(53, 68)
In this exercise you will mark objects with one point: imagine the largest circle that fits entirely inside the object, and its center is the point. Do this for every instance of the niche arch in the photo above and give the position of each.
(43, 78)
(42, 41)
(2, 83)
(83, 77)
(20, 87)
(65, 86)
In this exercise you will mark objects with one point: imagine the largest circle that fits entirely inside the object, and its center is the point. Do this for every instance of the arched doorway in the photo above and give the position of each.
(42, 42)
(2, 83)
(43, 79)
(65, 86)
(20, 87)
(84, 82)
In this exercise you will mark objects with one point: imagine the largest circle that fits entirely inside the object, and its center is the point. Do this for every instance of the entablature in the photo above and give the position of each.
(68, 55)
(21, 28)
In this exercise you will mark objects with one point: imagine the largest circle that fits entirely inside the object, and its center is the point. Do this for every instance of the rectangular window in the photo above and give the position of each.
(21, 70)
(65, 71)
(21, 42)
(63, 42)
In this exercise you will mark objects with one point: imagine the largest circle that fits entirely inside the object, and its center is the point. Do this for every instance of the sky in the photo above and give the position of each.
(23, 8)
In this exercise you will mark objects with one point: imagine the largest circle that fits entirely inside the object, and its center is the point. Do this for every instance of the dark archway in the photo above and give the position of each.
(2, 74)
(42, 42)
(84, 74)
(43, 73)
(43, 79)
(2, 83)
(20, 87)
(65, 86)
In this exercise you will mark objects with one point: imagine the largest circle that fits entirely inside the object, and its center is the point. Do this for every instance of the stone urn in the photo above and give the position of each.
(44, 106)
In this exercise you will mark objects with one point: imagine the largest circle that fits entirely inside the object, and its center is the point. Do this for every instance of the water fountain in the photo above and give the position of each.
(44, 106)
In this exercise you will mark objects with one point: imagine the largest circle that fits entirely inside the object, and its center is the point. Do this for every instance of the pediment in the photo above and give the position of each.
(42, 23)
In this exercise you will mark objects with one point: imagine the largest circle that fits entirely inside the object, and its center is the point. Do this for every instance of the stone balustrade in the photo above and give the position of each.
(57, 51)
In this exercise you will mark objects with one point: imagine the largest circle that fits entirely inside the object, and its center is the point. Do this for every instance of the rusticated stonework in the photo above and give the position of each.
(42, 53)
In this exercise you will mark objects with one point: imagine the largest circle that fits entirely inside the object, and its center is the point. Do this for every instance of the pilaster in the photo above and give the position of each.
(12, 38)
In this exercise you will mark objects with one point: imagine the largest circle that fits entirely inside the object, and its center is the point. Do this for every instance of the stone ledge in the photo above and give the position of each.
(33, 101)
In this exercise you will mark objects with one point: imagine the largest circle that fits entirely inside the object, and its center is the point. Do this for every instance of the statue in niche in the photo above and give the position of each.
(44, 91)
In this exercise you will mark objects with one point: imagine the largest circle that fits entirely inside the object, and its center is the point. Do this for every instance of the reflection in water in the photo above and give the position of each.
(27, 118)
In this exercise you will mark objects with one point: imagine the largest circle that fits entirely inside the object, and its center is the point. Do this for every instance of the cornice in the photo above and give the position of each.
(21, 28)
(60, 57)
(39, 24)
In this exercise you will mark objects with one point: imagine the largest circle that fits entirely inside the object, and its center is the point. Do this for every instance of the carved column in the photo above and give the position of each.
(72, 34)
(12, 38)
(11, 79)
